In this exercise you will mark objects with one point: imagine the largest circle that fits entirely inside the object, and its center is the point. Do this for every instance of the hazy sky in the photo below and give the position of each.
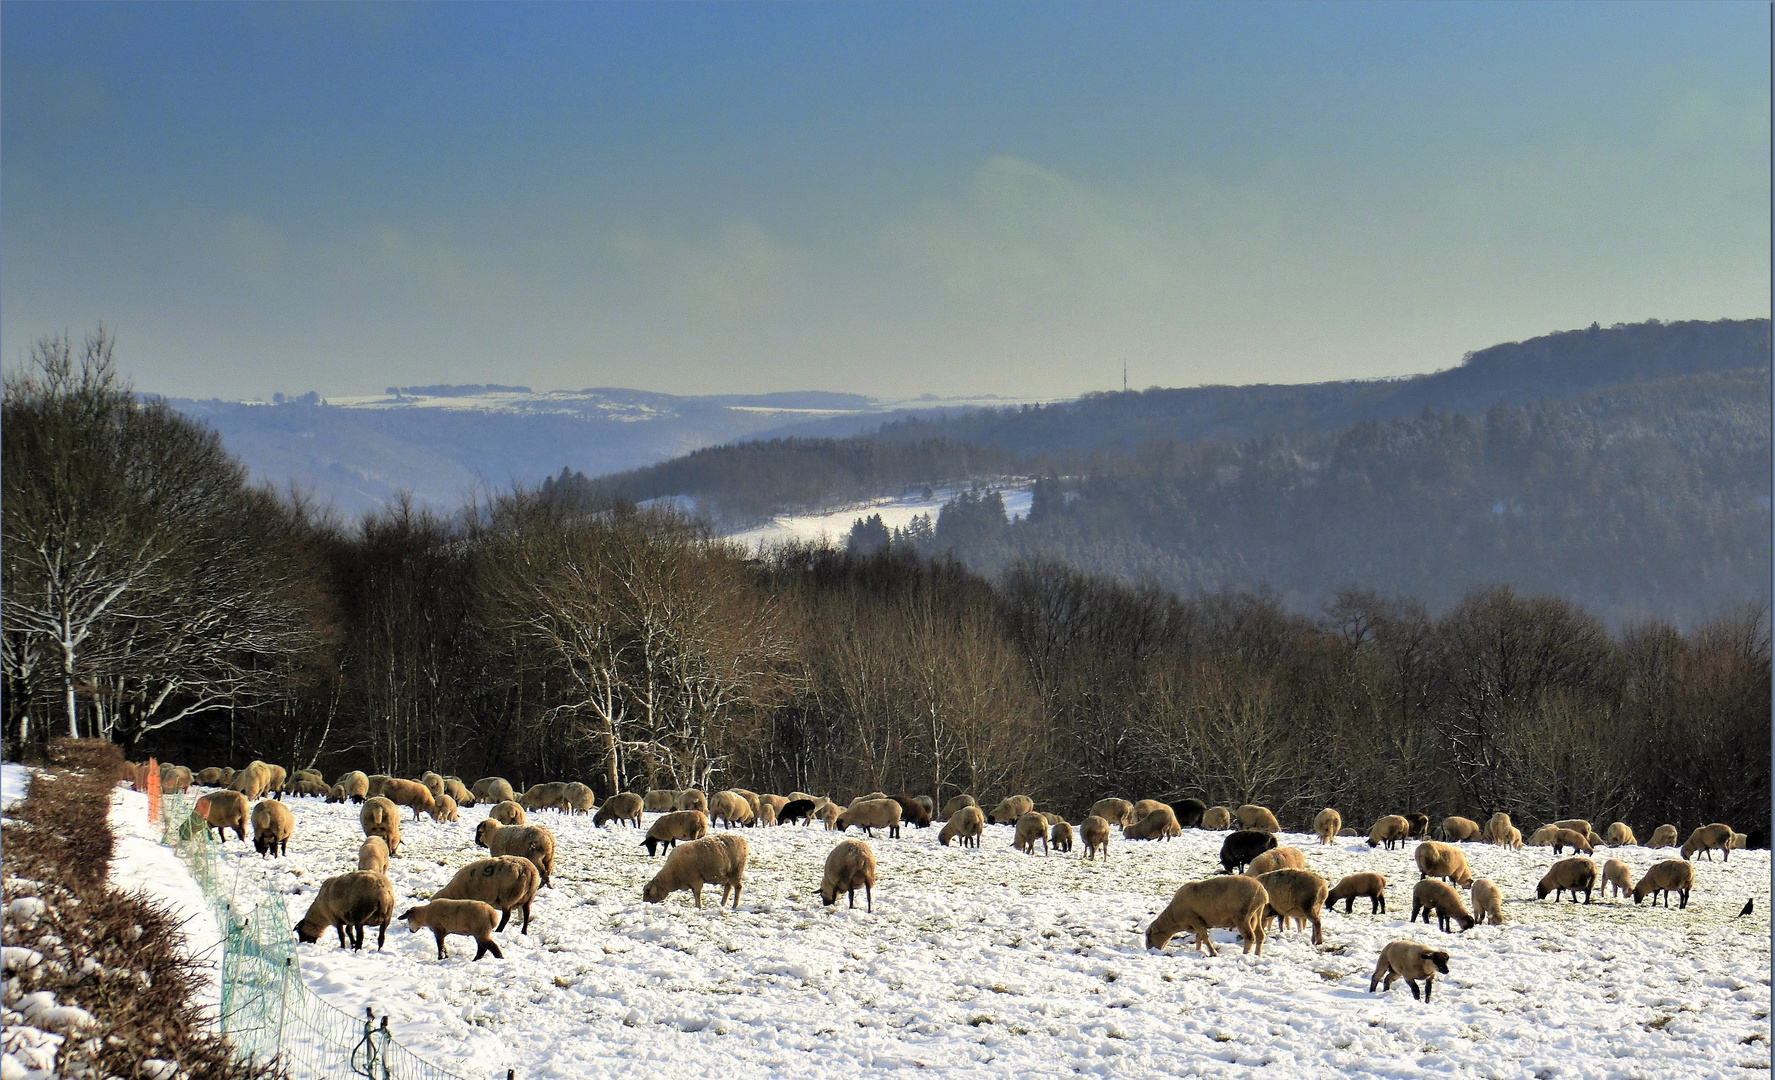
(887, 199)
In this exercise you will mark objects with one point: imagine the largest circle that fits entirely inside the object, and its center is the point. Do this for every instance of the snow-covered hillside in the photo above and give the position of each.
(991, 963)
(896, 513)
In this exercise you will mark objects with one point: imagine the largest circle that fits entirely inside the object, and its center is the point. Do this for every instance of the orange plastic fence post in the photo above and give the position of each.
(150, 783)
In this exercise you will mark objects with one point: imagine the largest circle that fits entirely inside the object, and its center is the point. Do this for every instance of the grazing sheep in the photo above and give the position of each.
(779, 803)
(1620, 834)
(456, 789)
(1513, 841)
(966, 823)
(1577, 825)
(1060, 836)
(470, 918)
(433, 782)
(872, 815)
(692, 799)
(1432, 895)
(225, 810)
(1390, 830)
(1409, 961)
(913, 812)
(1252, 816)
(1618, 876)
(508, 813)
(929, 804)
(1456, 829)
(1438, 860)
(1227, 902)
(1011, 809)
(213, 776)
(730, 808)
(272, 825)
(1738, 841)
(871, 797)
(373, 855)
(1114, 811)
(309, 788)
(767, 813)
(309, 774)
(506, 882)
(670, 828)
(177, 778)
(379, 817)
(579, 798)
(278, 776)
(348, 903)
(1420, 826)
(1160, 823)
(751, 798)
(1278, 858)
(549, 796)
(533, 842)
(954, 805)
(1294, 893)
(1543, 836)
(713, 860)
(356, 785)
(1145, 807)
(337, 794)
(444, 809)
(1094, 831)
(1708, 839)
(1671, 875)
(624, 807)
(659, 800)
(1239, 848)
(1567, 838)
(827, 811)
(849, 866)
(1217, 817)
(1662, 837)
(1327, 823)
(1488, 902)
(408, 793)
(252, 781)
(1570, 875)
(1189, 812)
(1497, 830)
(801, 810)
(493, 789)
(1030, 828)
(1350, 886)
(375, 782)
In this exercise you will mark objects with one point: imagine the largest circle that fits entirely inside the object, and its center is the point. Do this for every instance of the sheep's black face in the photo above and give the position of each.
(1440, 959)
(305, 935)
(829, 898)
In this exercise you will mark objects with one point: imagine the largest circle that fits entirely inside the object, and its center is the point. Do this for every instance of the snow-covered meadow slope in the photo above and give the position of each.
(991, 963)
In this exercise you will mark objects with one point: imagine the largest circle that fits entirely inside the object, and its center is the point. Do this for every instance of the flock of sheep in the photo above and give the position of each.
(1261, 881)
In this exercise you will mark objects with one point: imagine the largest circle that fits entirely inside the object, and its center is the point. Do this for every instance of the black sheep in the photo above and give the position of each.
(1189, 813)
(801, 810)
(1239, 848)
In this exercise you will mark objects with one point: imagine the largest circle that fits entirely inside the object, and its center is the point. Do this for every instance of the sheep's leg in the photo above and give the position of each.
(526, 929)
(697, 891)
(381, 936)
(504, 917)
(869, 897)
(737, 886)
(1413, 983)
(344, 942)
(1318, 931)
(1684, 893)
(851, 896)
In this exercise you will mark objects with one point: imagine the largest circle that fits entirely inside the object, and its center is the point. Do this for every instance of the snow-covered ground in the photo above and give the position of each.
(139, 861)
(15, 782)
(991, 963)
(896, 513)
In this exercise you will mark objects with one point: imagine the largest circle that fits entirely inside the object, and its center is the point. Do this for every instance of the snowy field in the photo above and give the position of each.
(896, 513)
(141, 863)
(991, 963)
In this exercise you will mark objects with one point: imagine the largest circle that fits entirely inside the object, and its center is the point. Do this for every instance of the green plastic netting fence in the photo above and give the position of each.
(267, 1013)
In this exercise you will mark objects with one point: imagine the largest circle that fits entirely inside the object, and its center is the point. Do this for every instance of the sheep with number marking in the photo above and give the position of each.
(506, 882)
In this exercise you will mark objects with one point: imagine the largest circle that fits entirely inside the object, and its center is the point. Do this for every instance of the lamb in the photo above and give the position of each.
(967, 823)
(1409, 961)
(456, 789)
(849, 866)
(549, 796)
(1620, 834)
(1189, 812)
(1577, 825)
(493, 789)
(1432, 895)
(445, 809)
(472, 918)
(1437, 860)
(1497, 830)
(1239, 848)
(532, 842)
(871, 815)
(408, 793)
(433, 783)
(1455, 829)
(1327, 823)
(1390, 830)
(1488, 902)
(624, 807)
(1420, 826)
(827, 811)
(1618, 876)
(1350, 886)
(1294, 893)
(1230, 902)
(373, 855)
(1662, 837)
(1161, 823)
(1280, 858)
(1094, 831)
(1011, 809)
(506, 882)
(1114, 811)
(379, 817)
(913, 812)
(1252, 816)
(713, 860)
(1708, 839)
(778, 803)
(1060, 836)
(692, 799)
(670, 828)
(272, 825)
(579, 798)
(767, 813)
(1030, 828)
(659, 800)
(1571, 875)
(801, 810)
(1567, 838)
(729, 808)
(348, 903)
(1543, 836)
(213, 777)
(1513, 841)
(954, 805)
(508, 813)
(310, 788)
(225, 810)
(1671, 875)
(1217, 817)
(356, 785)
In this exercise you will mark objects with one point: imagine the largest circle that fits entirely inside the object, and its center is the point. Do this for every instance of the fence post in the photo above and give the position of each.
(283, 1002)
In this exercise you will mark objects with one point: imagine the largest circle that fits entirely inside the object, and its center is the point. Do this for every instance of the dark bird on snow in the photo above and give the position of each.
(1748, 904)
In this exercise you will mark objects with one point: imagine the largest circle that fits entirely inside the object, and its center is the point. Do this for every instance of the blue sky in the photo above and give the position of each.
(891, 199)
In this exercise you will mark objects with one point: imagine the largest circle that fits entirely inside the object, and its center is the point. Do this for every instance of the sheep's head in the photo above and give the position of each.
(1466, 922)
(1542, 890)
(1156, 938)
(828, 896)
(308, 933)
(654, 891)
(409, 918)
(485, 830)
(1440, 958)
